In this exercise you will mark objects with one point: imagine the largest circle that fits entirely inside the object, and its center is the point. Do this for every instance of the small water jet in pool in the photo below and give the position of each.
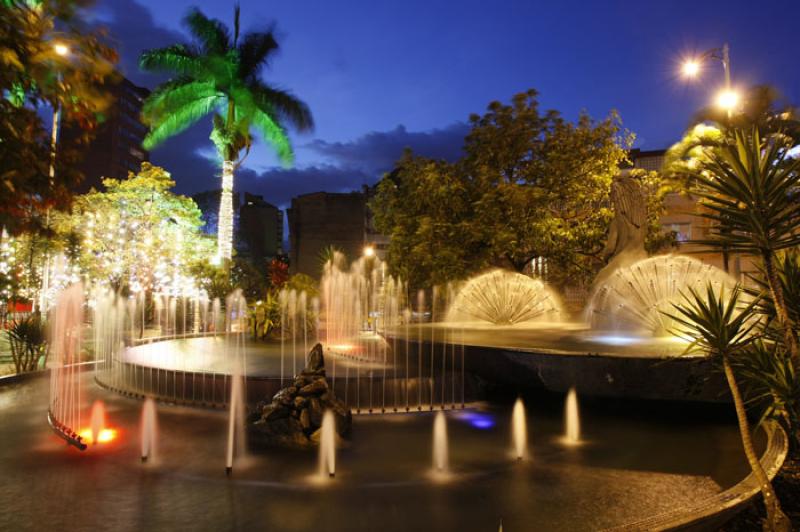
(502, 297)
(236, 315)
(327, 446)
(519, 430)
(440, 446)
(572, 422)
(97, 420)
(148, 429)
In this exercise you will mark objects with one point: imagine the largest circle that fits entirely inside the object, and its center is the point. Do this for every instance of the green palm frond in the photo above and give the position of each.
(718, 323)
(254, 52)
(750, 190)
(211, 34)
(177, 58)
(181, 119)
(174, 96)
(282, 104)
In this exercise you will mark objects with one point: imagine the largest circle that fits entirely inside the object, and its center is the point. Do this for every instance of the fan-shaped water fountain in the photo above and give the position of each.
(638, 298)
(502, 297)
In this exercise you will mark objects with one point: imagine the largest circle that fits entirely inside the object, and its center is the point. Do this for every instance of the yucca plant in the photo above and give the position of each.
(219, 75)
(29, 346)
(787, 272)
(721, 326)
(750, 188)
(771, 382)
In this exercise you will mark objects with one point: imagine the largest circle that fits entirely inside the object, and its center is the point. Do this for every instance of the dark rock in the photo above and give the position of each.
(318, 387)
(295, 413)
(305, 420)
(316, 359)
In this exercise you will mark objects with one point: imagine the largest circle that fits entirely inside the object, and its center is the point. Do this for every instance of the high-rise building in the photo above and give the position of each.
(260, 235)
(117, 146)
(322, 219)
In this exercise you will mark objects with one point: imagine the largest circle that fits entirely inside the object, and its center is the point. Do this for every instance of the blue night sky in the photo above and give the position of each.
(381, 75)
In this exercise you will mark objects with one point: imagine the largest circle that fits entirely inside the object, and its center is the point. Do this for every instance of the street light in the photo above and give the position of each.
(728, 100)
(61, 49)
(369, 251)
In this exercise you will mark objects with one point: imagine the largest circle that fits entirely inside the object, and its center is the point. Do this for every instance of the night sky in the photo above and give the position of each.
(382, 75)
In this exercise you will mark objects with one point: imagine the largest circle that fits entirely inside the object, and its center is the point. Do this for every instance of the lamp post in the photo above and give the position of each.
(727, 99)
(61, 50)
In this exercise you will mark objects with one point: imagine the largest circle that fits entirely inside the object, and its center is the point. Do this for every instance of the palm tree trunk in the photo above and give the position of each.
(776, 519)
(225, 221)
(776, 291)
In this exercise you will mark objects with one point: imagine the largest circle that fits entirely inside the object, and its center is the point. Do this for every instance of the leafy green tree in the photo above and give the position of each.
(427, 208)
(530, 185)
(138, 236)
(721, 327)
(220, 74)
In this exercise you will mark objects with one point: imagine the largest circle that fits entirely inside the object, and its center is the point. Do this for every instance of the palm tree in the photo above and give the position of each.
(750, 188)
(721, 328)
(219, 74)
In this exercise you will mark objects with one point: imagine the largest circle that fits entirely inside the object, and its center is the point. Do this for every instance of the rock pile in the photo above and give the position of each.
(294, 415)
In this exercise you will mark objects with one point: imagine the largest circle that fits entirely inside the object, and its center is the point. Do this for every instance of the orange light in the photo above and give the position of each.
(104, 436)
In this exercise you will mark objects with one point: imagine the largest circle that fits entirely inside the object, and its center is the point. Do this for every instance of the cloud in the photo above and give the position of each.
(378, 151)
(132, 29)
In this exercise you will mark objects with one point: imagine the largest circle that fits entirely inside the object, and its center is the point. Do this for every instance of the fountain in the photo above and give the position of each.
(98, 420)
(519, 430)
(440, 445)
(327, 446)
(572, 421)
(502, 297)
(639, 297)
(148, 429)
(236, 312)
(64, 413)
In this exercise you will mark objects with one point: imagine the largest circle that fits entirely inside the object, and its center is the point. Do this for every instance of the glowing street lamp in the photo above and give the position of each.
(690, 68)
(369, 251)
(728, 100)
(61, 49)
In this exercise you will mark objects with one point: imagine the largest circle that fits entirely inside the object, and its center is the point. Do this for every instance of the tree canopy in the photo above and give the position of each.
(530, 185)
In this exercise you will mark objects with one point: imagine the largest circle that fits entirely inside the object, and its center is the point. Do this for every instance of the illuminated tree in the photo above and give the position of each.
(220, 74)
(137, 236)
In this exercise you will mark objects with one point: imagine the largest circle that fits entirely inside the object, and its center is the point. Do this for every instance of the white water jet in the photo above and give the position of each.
(327, 446)
(236, 325)
(519, 430)
(441, 463)
(502, 297)
(572, 421)
(148, 429)
(97, 420)
(65, 383)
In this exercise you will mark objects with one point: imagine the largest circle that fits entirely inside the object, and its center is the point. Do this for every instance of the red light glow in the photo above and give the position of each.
(104, 436)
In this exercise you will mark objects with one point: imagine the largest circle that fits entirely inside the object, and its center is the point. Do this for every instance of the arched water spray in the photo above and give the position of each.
(519, 430)
(572, 421)
(441, 460)
(640, 297)
(327, 445)
(502, 297)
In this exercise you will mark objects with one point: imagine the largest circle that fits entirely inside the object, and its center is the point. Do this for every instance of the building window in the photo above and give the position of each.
(683, 231)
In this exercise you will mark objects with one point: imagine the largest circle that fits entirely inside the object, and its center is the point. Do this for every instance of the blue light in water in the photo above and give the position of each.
(479, 420)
